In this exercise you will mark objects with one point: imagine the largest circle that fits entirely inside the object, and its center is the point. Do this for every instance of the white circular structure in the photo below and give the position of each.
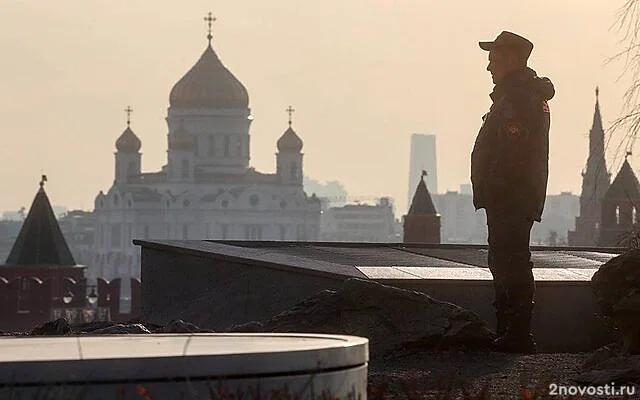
(189, 366)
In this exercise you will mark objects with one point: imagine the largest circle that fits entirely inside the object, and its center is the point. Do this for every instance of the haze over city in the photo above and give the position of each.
(362, 76)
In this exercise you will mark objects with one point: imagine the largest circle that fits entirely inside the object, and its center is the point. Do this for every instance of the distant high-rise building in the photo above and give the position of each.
(422, 158)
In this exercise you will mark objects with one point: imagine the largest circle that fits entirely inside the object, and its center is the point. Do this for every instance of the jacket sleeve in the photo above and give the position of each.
(516, 129)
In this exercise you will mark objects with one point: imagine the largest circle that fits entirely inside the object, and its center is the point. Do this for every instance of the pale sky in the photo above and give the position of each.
(363, 76)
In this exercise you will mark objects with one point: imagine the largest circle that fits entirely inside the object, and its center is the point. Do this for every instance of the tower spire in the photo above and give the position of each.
(128, 110)
(209, 19)
(43, 179)
(290, 111)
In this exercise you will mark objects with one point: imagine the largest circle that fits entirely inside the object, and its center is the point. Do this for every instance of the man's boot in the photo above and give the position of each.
(501, 323)
(518, 337)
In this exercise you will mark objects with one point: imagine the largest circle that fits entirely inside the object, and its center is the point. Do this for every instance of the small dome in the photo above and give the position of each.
(209, 84)
(128, 142)
(182, 140)
(290, 142)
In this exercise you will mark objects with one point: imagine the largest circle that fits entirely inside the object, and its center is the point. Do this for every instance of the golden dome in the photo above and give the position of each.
(128, 142)
(290, 142)
(209, 84)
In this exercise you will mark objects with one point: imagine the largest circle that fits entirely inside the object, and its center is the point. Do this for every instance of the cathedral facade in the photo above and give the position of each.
(207, 189)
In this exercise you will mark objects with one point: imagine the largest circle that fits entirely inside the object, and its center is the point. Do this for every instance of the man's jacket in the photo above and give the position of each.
(510, 158)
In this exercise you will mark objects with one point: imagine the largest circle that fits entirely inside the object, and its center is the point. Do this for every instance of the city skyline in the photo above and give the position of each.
(71, 74)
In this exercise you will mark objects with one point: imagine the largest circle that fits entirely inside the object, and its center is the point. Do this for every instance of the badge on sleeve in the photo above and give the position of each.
(513, 129)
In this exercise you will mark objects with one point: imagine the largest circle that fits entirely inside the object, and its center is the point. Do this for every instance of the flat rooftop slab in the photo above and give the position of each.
(242, 281)
(396, 261)
(101, 363)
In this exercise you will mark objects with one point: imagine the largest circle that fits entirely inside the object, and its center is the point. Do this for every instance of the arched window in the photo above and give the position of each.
(185, 168)
(294, 170)
(227, 145)
(131, 169)
(211, 145)
(617, 215)
(254, 200)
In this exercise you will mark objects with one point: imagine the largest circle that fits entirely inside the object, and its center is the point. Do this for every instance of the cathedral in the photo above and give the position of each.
(206, 190)
(608, 210)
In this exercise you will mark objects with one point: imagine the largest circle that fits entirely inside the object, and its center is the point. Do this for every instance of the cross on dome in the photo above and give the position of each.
(128, 110)
(290, 111)
(209, 19)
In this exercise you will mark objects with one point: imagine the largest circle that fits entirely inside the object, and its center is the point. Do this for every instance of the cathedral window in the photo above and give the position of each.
(116, 236)
(617, 215)
(185, 168)
(224, 203)
(253, 232)
(227, 145)
(185, 231)
(225, 230)
(294, 170)
(239, 147)
(211, 145)
(131, 170)
(254, 200)
(300, 232)
(186, 203)
(116, 199)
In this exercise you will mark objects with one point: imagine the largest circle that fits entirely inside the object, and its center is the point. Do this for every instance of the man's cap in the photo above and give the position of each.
(509, 40)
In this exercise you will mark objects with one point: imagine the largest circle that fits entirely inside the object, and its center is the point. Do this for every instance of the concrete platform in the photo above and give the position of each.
(183, 366)
(249, 280)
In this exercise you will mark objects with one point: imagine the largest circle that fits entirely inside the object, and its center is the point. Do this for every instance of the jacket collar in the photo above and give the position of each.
(511, 81)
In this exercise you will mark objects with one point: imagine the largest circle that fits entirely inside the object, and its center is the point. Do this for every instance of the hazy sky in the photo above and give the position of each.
(363, 76)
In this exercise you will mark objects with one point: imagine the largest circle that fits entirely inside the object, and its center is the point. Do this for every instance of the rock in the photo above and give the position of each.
(179, 326)
(616, 286)
(602, 354)
(91, 326)
(391, 318)
(618, 369)
(121, 329)
(53, 328)
(248, 327)
(150, 326)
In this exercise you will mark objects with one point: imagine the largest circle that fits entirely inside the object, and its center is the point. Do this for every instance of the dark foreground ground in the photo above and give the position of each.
(474, 375)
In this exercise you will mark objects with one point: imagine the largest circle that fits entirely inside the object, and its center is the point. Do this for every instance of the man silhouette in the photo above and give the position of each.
(509, 172)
